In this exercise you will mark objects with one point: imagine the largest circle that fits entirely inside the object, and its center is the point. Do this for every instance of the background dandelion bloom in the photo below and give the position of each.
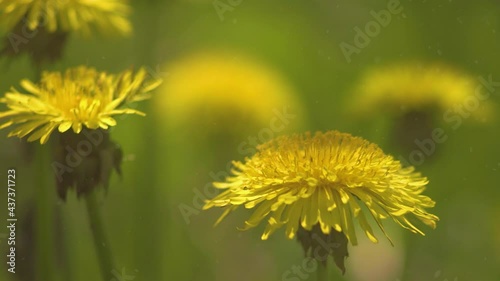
(325, 179)
(106, 16)
(78, 97)
(402, 88)
(221, 88)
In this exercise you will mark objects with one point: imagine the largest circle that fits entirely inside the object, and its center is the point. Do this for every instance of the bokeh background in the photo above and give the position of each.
(156, 228)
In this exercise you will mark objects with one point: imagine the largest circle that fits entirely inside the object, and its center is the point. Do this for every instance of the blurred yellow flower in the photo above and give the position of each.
(403, 88)
(329, 180)
(219, 88)
(80, 97)
(106, 16)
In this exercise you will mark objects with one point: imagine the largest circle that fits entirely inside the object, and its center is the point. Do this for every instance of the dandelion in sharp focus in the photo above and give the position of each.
(319, 185)
(81, 97)
(79, 102)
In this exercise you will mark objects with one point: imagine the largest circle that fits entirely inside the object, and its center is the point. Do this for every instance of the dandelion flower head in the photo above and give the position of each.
(328, 179)
(83, 16)
(219, 87)
(403, 88)
(79, 97)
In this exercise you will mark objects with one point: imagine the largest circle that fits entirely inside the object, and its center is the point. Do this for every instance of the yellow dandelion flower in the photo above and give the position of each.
(325, 181)
(219, 88)
(404, 88)
(80, 97)
(83, 16)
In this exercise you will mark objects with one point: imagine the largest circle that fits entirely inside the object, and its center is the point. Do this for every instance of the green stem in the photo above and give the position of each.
(322, 272)
(44, 233)
(100, 240)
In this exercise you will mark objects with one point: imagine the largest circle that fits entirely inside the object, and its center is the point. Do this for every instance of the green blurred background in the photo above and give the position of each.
(149, 236)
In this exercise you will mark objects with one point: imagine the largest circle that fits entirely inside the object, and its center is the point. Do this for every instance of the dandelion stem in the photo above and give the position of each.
(45, 255)
(100, 240)
(322, 272)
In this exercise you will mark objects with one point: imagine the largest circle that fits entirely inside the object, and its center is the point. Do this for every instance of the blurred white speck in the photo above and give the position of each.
(235, 21)
(439, 52)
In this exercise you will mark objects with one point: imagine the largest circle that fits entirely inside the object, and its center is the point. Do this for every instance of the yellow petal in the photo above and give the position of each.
(64, 126)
